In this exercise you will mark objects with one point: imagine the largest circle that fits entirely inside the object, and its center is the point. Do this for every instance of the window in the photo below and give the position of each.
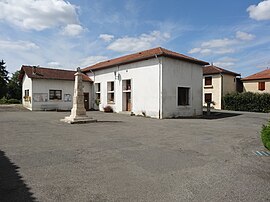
(126, 85)
(97, 90)
(26, 93)
(208, 97)
(55, 94)
(261, 86)
(183, 96)
(26, 96)
(97, 87)
(208, 81)
(110, 93)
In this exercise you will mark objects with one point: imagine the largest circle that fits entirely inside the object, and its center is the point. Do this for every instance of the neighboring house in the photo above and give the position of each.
(158, 83)
(47, 89)
(217, 82)
(257, 83)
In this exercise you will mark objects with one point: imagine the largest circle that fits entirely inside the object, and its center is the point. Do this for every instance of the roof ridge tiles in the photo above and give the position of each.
(142, 55)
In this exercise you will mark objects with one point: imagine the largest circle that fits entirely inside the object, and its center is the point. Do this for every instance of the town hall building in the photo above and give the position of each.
(158, 83)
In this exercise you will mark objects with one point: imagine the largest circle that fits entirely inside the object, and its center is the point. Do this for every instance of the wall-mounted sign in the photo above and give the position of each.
(67, 97)
(40, 97)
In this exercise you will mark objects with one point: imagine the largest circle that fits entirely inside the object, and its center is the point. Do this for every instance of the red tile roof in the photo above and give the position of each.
(143, 55)
(211, 69)
(48, 73)
(265, 74)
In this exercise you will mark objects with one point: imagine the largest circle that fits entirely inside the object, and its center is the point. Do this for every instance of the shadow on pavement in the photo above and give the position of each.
(12, 187)
(213, 115)
(219, 115)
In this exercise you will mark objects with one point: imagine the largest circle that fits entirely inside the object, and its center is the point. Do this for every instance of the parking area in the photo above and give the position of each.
(129, 158)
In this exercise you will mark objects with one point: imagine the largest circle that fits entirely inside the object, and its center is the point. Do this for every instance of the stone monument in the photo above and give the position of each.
(78, 112)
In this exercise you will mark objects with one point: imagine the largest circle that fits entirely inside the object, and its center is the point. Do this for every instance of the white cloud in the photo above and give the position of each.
(225, 62)
(106, 37)
(194, 50)
(38, 14)
(260, 11)
(144, 41)
(244, 36)
(92, 60)
(217, 43)
(72, 30)
(17, 45)
(54, 64)
(222, 46)
(215, 46)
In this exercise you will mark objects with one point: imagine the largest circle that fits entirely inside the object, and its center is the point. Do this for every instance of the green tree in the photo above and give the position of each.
(3, 79)
(15, 87)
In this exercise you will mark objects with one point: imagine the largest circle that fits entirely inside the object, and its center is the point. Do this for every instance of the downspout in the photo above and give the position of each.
(221, 103)
(159, 87)
(93, 90)
(92, 73)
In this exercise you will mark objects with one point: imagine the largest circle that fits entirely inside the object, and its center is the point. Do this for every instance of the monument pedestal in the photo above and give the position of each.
(78, 112)
(78, 119)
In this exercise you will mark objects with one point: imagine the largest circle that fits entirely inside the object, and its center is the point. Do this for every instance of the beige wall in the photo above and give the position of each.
(215, 89)
(229, 85)
(252, 86)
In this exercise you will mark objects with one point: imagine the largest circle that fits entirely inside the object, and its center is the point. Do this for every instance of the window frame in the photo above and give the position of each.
(110, 92)
(188, 99)
(26, 93)
(53, 90)
(261, 85)
(206, 80)
(210, 96)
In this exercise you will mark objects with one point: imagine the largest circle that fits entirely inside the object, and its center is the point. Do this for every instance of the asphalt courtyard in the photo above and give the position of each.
(128, 158)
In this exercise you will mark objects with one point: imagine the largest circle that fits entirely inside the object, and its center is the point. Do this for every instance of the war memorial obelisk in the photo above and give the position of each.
(78, 112)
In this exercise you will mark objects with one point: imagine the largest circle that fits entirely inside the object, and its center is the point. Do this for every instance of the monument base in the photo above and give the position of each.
(78, 119)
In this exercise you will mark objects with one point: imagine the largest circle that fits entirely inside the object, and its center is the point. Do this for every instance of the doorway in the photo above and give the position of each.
(86, 101)
(128, 102)
(126, 98)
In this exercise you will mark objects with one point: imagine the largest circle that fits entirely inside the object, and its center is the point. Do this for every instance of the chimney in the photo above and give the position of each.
(34, 70)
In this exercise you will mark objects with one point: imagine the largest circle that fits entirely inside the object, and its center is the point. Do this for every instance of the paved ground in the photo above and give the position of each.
(123, 158)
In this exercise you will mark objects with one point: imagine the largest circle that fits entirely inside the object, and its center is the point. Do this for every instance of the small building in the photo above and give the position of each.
(257, 83)
(50, 89)
(217, 82)
(157, 83)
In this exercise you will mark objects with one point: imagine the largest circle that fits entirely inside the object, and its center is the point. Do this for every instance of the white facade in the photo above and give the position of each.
(176, 74)
(154, 87)
(39, 89)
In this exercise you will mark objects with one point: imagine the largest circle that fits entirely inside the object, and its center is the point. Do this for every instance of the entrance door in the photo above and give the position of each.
(86, 101)
(128, 102)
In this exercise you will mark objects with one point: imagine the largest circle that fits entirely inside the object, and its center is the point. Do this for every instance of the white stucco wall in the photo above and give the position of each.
(144, 86)
(67, 87)
(27, 85)
(252, 86)
(176, 73)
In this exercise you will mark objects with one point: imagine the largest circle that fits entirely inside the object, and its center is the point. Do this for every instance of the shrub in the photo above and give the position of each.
(247, 101)
(13, 101)
(4, 100)
(265, 135)
(108, 109)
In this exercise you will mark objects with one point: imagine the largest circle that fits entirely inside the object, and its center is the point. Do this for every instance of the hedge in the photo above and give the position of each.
(247, 101)
(4, 100)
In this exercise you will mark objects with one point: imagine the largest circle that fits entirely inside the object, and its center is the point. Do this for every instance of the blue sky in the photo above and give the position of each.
(234, 35)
